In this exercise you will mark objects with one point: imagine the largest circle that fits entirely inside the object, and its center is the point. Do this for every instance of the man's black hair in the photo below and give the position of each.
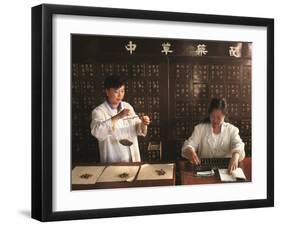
(113, 81)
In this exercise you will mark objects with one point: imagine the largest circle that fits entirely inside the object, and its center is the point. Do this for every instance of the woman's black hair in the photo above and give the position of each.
(216, 104)
(113, 81)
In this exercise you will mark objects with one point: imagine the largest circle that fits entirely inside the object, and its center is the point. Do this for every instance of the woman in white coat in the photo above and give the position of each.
(111, 120)
(214, 138)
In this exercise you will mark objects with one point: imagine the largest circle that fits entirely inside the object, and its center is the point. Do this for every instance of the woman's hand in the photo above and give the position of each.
(192, 157)
(145, 120)
(233, 163)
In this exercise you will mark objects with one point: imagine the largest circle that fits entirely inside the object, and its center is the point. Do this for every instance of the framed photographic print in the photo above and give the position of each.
(131, 105)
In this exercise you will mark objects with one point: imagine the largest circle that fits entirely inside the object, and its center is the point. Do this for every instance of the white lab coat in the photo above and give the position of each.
(108, 138)
(209, 145)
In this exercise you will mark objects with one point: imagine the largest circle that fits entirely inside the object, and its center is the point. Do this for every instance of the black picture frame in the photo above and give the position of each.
(42, 106)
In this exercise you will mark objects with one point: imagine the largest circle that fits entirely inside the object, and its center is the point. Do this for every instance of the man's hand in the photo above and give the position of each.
(193, 157)
(233, 163)
(145, 120)
(124, 113)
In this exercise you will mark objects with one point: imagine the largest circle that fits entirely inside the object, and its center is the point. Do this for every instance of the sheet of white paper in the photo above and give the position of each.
(112, 174)
(235, 174)
(225, 176)
(150, 171)
(238, 173)
(89, 174)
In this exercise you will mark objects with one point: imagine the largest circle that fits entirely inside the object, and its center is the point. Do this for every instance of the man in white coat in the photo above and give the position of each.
(114, 119)
(214, 138)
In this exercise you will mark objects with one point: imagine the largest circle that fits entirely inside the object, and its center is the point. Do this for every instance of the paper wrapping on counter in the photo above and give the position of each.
(119, 174)
(86, 174)
(156, 172)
